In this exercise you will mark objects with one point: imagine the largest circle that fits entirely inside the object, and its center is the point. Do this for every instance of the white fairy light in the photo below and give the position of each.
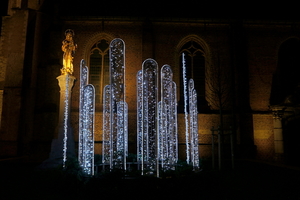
(86, 122)
(193, 125)
(66, 113)
(106, 126)
(168, 117)
(185, 110)
(156, 121)
(118, 115)
(88, 129)
(147, 81)
(140, 147)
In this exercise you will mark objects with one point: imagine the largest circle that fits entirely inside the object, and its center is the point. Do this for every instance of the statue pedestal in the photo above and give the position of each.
(66, 83)
(278, 112)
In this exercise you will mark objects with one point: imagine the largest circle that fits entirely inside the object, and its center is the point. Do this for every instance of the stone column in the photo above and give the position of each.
(62, 82)
(278, 112)
(66, 83)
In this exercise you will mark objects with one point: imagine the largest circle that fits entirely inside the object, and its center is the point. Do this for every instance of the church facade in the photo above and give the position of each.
(245, 73)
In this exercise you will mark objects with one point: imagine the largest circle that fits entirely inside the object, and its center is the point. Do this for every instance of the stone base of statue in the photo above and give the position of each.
(64, 129)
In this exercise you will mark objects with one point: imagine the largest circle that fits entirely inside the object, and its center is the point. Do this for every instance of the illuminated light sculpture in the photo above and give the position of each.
(116, 125)
(168, 142)
(140, 136)
(193, 125)
(191, 120)
(122, 136)
(86, 122)
(106, 127)
(147, 98)
(187, 142)
(157, 143)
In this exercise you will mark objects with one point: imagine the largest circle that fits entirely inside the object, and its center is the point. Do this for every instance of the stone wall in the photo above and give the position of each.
(159, 39)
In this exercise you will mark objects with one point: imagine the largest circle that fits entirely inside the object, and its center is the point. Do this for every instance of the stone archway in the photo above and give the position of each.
(285, 101)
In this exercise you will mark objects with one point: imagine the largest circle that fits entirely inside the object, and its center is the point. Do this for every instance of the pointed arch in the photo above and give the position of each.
(285, 79)
(197, 56)
(92, 40)
(286, 91)
(97, 59)
(196, 39)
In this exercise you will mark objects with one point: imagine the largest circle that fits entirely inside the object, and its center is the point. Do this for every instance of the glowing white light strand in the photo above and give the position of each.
(106, 126)
(122, 132)
(193, 125)
(185, 110)
(147, 82)
(88, 129)
(86, 122)
(191, 109)
(174, 122)
(83, 82)
(194, 142)
(66, 113)
(140, 147)
(117, 89)
(165, 114)
(168, 116)
(160, 138)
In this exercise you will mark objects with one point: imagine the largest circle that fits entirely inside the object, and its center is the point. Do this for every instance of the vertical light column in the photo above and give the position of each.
(174, 123)
(86, 122)
(191, 119)
(157, 137)
(106, 127)
(149, 114)
(193, 125)
(117, 115)
(140, 136)
(187, 136)
(168, 117)
(122, 138)
(83, 82)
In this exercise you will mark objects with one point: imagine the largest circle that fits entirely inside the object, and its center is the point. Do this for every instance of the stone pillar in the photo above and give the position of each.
(278, 113)
(62, 82)
(66, 83)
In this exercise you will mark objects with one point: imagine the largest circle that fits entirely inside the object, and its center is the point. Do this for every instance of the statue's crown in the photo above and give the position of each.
(69, 31)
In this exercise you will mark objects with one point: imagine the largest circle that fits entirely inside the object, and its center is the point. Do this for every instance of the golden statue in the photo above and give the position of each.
(68, 47)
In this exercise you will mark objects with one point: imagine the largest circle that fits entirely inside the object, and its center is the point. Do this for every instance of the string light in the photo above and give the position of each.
(86, 122)
(66, 115)
(156, 121)
(118, 112)
(185, 110)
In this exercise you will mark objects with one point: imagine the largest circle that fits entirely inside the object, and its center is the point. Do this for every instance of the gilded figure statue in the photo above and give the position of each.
(68, 47)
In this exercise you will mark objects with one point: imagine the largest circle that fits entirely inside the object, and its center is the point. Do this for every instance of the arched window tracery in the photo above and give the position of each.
(99, 68)
(195, 60)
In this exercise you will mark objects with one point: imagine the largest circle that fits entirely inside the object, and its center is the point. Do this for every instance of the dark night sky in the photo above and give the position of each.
(172, 9)
(182, 9)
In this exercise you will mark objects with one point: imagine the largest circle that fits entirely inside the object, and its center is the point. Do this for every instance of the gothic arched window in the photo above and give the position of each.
(195, 69)
(285, 80)
(99, 68)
